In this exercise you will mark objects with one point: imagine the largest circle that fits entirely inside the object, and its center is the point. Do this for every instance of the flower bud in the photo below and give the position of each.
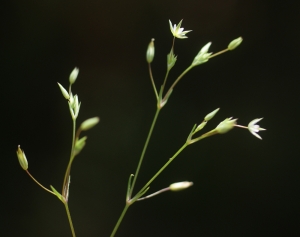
(202, 56)
(22, 158)
(73, 75)
(79, 145)
(180, 186)
(201, 125)
(171, 60)
(211, 115)
(235, 43)
(89, 123)
(76, 105)
(150, 51)
(63, 91)
(226, 125)
(71, 101)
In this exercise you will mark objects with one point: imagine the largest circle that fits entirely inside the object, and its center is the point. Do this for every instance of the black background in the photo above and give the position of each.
(242, 186)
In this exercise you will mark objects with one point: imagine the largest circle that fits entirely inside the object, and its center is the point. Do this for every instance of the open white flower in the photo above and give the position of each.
(177, 31)
(255, 128)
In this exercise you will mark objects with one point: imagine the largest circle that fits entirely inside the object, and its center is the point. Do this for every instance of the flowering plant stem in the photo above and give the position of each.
(70, 219)
(132, 200)
(160, 105)
(162, 168)
(144, 151)
(65, 187)
(178, 79)
(136, 172)
(68, 170)
(120, 220)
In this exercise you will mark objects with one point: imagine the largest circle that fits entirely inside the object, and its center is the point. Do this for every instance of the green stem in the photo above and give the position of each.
(152, 81)
(178, 79)
(162, 168)
(120, 220)
(165, 80)
(39, 183)
(154, 194)
(68, 170)
(70, 219)
(218, 53)
(144, 151)
(66, 178)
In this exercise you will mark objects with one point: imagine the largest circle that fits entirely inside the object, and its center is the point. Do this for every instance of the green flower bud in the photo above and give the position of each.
(71, 101)
(76, 106)
(89, 123)
(226, 125)
(202, 56)
(211, 115)
(201, 125)
(150, 51)
(235, 43)
(63, 91)
(73, 75)
(171, 60)
(22, 158)
(180, 186)
(79, 145)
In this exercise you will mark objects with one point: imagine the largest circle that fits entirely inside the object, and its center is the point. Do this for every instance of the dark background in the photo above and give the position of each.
(242, 186)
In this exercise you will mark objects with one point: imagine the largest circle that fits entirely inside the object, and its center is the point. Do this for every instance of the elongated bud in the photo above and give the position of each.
(180, 186)
(71, 100)
(205, 48)
(150, 51)
(63, 91)
(226, 125)
(202, 56)
(76, 105)
(171, 60)
(89, 123)
(201, 125)
(211, 115)
(79, 145)
(73, 75)
(22, 158)
(235, 43)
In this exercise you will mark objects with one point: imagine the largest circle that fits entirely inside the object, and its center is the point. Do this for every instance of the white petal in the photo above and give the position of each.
(255, 134)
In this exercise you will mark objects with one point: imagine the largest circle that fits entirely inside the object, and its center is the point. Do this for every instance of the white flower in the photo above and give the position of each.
(254, 128)
(177, 31)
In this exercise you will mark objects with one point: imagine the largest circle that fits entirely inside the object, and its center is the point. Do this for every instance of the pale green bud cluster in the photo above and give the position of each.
(206, 119)
(74, 104)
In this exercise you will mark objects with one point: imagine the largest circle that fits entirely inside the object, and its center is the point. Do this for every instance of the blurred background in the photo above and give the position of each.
(242, 186)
